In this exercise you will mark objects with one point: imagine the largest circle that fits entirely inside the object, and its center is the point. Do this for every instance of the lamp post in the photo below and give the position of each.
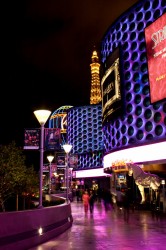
(71, 177)
(50, 159)
(42, 116)
(67, 148)
(163, 191)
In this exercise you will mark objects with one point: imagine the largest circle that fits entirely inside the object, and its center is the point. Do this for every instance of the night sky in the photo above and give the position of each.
(46, 56)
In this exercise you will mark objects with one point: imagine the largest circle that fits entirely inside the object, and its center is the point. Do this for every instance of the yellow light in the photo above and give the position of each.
(40, 231)
(67, 148)
(42, 116)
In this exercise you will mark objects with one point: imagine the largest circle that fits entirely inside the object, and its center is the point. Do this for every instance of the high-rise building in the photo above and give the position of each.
(95, 93)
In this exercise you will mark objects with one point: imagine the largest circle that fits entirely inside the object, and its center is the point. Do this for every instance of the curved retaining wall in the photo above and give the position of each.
(19, 230)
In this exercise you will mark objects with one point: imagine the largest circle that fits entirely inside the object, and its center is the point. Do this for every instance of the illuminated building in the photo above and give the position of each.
(131, 117)
(95, 94)
(130, 121)
(58, 119)
(84, 133)
(133, 88)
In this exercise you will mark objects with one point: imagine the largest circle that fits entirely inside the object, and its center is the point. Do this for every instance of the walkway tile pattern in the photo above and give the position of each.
(108, 230)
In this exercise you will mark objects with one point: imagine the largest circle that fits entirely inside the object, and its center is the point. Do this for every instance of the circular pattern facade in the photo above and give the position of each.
(84, 133)
(143, 122)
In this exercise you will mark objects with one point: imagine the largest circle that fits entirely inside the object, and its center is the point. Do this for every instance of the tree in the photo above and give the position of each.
(15, 178)
(32, 183)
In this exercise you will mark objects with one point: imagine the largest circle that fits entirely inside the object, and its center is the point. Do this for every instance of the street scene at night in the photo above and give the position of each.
(83, 137)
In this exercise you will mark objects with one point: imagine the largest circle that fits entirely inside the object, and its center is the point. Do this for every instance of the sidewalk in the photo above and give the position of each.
(108, 231)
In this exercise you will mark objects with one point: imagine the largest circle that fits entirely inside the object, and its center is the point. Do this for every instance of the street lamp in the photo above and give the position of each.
(67, 148)
(42, 116)
(163, 191)
(71, 177)
(50, 159)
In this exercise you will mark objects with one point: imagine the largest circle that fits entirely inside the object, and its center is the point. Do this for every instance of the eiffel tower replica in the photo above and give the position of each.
(95, 93)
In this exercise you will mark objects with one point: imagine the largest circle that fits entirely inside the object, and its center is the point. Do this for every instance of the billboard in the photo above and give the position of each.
(52, 138)
(73, 161)
(31, 138)
(110, 84)
(155, 36)
(46, 167)
(60, 159)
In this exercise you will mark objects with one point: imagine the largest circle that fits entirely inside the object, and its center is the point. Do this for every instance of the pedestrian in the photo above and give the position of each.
(78, 194)
(99, 195)
(126, 206)
(92, 198)
(85, 199)
(107, 199)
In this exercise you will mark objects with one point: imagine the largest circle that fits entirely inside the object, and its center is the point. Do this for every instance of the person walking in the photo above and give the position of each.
(126, 206)
(78, 194)
(107, 199)
(92, 198)
(85, 199)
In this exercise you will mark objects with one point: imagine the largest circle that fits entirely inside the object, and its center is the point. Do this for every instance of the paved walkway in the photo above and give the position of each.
(109, 231)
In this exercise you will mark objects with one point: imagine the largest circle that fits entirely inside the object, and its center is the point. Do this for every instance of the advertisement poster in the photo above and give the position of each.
(60, 160)
(155, 36)
(46, 167)
(31, 139)
(73, 161)
(52, 139)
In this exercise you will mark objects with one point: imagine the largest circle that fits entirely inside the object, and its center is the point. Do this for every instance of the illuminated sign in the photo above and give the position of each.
(111, 94)
(155, 36)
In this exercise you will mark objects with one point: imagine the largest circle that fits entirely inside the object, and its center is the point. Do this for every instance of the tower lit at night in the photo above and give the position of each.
(95, 94)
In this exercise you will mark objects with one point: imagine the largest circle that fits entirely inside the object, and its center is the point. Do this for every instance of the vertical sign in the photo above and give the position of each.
(155, 36)
(52, 139)
(31, 138)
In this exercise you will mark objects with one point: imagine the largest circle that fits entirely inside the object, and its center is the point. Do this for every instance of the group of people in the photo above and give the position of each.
(88, 199)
